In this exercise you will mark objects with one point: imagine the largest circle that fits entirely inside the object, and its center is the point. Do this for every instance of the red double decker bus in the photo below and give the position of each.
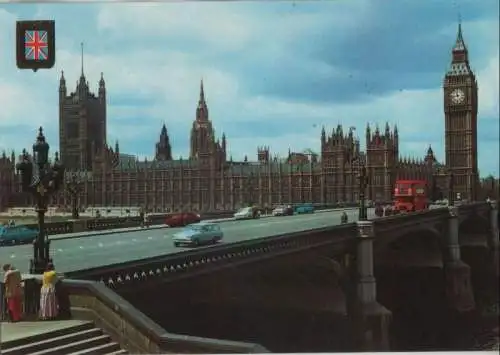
(410, 196)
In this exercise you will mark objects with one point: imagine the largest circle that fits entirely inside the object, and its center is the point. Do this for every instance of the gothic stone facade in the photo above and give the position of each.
(207, 180)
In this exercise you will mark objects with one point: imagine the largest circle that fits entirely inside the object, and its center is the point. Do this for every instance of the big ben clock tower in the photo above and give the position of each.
(460, 111)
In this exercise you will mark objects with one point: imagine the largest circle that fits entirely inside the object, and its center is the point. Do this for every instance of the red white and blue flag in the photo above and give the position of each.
(36, 46)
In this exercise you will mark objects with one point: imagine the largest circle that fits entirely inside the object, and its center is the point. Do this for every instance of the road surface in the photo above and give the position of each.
(93, 251)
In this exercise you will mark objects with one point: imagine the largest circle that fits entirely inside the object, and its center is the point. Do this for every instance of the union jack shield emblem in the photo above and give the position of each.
(35, 44)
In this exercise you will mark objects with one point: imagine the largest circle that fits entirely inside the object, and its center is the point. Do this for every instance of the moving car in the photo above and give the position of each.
(283, 211)
(305, 208)
(198, 234)
(17, 235)
(182, 219)
(247, 213)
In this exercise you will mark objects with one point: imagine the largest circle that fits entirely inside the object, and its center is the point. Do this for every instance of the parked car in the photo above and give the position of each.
(17, 235)
(247, 213)
(283, 211)
(198, 234)
(305, 208)
(182, 219)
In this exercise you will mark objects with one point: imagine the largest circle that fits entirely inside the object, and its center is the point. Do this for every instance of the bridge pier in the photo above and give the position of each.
(370, 319)
(459, 291)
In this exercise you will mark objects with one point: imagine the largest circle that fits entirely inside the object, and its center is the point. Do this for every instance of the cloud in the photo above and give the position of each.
(274, 72)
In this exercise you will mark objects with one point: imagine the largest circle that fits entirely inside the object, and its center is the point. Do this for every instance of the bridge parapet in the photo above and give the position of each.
(191, 263)
(466, 211)
(138, 334)
(402, 223)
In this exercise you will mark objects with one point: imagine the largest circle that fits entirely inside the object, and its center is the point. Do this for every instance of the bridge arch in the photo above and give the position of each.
(410, 272)
(423, 242)
(474, 223)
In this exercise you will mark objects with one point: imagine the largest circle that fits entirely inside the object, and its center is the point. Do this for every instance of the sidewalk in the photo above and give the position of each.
(25, 329)
(158, 226)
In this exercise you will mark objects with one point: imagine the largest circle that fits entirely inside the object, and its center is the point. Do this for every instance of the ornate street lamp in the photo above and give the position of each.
(451, 194)
(363, 184)
(41, 179)
(74, 187)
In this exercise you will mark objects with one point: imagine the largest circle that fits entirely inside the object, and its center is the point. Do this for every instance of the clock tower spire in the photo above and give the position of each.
(460, 111)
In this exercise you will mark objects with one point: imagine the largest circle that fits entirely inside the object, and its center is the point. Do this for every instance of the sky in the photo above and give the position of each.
(274, 72)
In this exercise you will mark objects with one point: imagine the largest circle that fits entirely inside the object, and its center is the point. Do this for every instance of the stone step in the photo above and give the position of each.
(52, 341)
(10, 346)
(103, 349)
(71, 348)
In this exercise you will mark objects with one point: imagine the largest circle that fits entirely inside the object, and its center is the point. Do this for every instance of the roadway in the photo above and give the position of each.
(98, 250)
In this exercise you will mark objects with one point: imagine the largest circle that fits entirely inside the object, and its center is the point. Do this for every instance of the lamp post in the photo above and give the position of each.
(41, 179)
(74, 188)
(451, 194)
(363, 184)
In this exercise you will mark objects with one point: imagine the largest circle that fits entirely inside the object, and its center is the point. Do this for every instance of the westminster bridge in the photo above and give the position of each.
(334, 288)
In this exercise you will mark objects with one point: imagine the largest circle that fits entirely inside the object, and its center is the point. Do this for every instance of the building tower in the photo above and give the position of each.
(382, 152)
(82, 123)
(460, 111)
(163, 147)
(202, 132)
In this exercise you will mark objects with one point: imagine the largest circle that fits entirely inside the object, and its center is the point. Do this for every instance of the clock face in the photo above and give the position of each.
(457, 96)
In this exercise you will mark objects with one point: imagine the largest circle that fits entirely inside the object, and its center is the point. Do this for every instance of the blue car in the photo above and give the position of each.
(198, 234)
(17, 235)
(305, 208)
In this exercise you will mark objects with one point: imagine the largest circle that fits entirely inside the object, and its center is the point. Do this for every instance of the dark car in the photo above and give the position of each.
(283, 210)
(182, 219)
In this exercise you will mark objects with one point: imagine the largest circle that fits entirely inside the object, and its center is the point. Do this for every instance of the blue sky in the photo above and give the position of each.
(274, 72)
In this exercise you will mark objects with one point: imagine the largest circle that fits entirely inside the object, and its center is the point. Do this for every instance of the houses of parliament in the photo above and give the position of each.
(208, 180)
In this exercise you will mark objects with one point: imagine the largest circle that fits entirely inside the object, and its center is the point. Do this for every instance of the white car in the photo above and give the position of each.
(279, 211)
(246, 213)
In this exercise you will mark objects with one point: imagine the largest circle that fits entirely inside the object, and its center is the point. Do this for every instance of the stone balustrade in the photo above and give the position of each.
(133, 330)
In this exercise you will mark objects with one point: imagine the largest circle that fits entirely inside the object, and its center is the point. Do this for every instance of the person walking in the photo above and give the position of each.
(13, 292)
(49, 308)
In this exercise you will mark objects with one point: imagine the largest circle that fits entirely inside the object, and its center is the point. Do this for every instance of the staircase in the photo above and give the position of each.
(78, 339)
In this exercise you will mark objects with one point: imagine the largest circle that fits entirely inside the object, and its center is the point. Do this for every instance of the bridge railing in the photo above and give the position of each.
(134, 331)
(399, 221)
(472, 207)
(202, 260)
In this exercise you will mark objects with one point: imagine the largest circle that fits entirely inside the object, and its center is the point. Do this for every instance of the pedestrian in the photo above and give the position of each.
(49, 308)
(13, 292)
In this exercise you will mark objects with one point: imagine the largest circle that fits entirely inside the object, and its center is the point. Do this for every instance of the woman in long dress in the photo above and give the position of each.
(49, 309)
(13, 292)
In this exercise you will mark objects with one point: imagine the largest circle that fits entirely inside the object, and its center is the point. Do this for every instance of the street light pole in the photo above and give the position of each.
(451, 194)
(40, 179)
(74, 188)
(363, 184)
